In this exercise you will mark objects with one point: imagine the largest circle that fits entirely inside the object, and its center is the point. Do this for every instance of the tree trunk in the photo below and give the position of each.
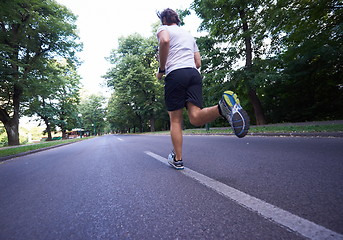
(258, 110)
(12, 127)
(48, 129)
(64, 134)
(12, 130)
(152, 124)
(254, 100)
(12, 123)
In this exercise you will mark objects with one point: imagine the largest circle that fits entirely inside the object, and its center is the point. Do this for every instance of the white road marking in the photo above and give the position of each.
(268, 211)
(120, 139)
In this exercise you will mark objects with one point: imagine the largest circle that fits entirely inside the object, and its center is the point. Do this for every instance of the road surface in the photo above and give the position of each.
(120, 187)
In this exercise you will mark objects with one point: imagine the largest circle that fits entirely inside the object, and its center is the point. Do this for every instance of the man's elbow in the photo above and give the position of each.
(197, 59)
(164, 42)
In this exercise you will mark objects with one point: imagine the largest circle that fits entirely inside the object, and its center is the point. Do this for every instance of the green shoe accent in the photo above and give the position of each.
(230, 98)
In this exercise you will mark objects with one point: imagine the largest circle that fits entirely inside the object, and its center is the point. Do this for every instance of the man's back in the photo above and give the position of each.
(182, 48)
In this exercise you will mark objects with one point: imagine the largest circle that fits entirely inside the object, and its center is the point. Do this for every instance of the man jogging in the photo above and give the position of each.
(179, 59)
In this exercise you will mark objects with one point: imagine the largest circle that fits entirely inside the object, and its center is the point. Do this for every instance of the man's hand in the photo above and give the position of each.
(159, 75)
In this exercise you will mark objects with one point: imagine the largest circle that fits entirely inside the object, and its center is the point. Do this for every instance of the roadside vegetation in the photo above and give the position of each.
(8, 151)
(274, 129)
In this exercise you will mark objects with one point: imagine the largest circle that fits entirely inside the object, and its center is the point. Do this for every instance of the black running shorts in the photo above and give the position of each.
(182, 86)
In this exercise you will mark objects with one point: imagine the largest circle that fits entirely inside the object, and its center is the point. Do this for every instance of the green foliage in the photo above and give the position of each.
(137, 99)
(296, 55)
(67, 98)
(217, 62)
(310, 34)
(236, 31)
(223, 19)
(3, 136)
(55, 97)
(32, 33)
(182, 14)
(92, 112)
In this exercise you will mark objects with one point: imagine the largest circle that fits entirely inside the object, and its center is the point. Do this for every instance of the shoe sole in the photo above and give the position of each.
(240, 123)
(176, 167)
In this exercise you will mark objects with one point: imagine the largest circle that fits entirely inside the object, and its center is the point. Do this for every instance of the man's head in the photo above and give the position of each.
(168, 17)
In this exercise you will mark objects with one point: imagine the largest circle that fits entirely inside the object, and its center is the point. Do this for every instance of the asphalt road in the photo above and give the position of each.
(119, 187)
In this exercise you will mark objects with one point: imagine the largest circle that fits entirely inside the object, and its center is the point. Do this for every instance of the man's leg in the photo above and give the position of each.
(176, 119)
(199, 117)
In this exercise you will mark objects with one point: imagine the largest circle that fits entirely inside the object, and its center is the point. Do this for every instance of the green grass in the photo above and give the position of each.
(20, 149)
(271, 129)
(295, 128)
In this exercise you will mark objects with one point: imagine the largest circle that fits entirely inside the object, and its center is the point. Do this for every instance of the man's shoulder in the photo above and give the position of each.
(175, 30)
(161, 28)
(179, 30)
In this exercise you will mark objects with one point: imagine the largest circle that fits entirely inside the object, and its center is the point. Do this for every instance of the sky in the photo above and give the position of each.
(100, 24)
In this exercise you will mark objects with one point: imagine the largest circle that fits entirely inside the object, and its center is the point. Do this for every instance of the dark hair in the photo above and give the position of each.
(169, 16)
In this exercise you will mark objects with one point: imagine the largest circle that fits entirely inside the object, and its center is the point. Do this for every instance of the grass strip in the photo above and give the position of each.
(295, 128)
(20, 149)
(275, 129)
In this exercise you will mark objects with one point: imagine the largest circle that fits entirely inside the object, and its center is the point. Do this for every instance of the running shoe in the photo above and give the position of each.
(175, 164)
(232, 111)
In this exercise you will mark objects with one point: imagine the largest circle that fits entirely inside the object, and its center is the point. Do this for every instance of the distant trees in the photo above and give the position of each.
(92, 114)
(32, 34)
(136, 102)
(55, 98)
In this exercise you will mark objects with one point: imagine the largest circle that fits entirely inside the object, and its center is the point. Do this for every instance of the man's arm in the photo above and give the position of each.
(197, 59)
(164, 43)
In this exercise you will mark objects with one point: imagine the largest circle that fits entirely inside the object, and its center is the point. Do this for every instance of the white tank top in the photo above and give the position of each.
(182, 48)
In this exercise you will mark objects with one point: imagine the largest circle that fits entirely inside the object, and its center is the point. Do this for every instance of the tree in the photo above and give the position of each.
(55, 97)
(93, 113)
(216, 65)
(308, 35)
(239, 23)
(118, 115)
(68, 99)
(297, 76)
(38, 99)
(31, 33)
(134, 83)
